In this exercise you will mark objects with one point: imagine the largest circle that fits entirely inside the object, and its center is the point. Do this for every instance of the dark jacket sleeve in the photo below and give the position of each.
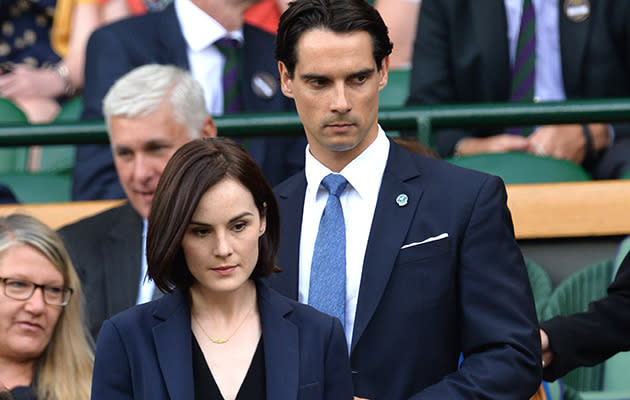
(593, 336)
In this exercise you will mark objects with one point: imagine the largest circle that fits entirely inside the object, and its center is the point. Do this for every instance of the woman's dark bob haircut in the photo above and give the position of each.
(193, 169)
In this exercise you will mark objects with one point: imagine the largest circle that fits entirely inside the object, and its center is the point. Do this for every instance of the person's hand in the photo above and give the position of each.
(547, 354)
(494, 144)
(566, 142)
(26, 81)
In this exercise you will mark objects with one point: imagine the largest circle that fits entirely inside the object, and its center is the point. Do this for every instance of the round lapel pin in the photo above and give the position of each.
(264, 85)
(402, 200)
(577, 10)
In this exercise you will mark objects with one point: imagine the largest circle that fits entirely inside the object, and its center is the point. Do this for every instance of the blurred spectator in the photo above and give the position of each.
(6, 195)
(37, 84)
(401, 18)
(266, 14)
(150, 112)
(44, 351)
(465, 50)
(186, 34)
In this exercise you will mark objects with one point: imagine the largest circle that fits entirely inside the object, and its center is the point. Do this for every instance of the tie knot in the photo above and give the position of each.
(227, 44)
(335, 184)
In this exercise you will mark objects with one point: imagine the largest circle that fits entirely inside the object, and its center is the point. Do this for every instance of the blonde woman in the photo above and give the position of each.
(45, 353)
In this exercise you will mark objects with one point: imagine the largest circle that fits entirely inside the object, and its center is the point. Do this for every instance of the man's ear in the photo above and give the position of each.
(286, 83)
(383, 73)
(209, 129)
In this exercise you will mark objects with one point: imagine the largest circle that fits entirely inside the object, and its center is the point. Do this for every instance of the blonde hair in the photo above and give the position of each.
(64, 369)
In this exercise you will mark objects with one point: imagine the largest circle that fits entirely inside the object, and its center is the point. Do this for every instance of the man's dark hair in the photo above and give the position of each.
(339, 16)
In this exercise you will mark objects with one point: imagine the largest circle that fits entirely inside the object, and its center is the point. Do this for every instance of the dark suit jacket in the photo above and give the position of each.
(116, 49)
(6, 195)
(461, 56)
(146, 352)
(420, 307)
(106, 250)
(591, 337)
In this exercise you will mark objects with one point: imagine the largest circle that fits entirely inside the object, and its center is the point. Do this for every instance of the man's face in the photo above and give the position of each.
(335, 86)
(141, 147)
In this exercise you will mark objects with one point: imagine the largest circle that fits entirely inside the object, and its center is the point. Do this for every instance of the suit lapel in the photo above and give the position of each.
(173, 341)
(280, 343)
(384, 243)
(122, 258)
(291, 202)
(490, 33)
(171, 39)
(573, 37)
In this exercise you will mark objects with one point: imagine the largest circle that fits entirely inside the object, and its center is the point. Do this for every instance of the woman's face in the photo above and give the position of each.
(26, 326)
(221, 242)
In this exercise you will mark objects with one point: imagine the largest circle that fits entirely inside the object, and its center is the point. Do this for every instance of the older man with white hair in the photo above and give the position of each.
(150, 112)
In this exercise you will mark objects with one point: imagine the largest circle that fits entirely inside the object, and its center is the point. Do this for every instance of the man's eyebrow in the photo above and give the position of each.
(366, 71)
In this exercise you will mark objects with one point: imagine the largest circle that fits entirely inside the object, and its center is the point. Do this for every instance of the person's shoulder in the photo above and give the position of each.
(303, 315)
(96, 223)
(290, 183)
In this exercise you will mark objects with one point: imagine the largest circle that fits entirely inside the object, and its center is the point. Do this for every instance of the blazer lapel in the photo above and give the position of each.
(291, 203)
(383, 246)
(280, 343)
(490, 35)
(172, 40)
(173, 341)
(122, 258)
(573, 37)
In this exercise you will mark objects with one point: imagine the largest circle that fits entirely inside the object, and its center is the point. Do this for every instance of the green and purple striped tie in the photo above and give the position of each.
(230, 48)
(524, 68)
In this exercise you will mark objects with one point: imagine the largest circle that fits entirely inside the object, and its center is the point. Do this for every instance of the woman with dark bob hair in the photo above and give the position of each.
(219, 332)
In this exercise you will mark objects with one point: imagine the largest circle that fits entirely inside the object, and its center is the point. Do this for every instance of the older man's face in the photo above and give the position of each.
(141, 147)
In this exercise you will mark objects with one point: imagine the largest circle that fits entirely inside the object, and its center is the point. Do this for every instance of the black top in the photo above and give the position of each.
(252, 388)
(22, 393)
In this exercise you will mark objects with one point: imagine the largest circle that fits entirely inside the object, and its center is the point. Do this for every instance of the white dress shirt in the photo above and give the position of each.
(549, 84)
(146, 285)
(206, 61)
(358, 201)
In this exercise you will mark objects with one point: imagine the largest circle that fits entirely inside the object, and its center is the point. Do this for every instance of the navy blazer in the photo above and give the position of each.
(157, 38)
(146, 352)
(461, 55)
(588, 338)
(421, 306)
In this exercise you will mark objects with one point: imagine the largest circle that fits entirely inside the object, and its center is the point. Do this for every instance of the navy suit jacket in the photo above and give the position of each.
(420, 307)
(588, 338)
(146, 352)
(116, 49)
(461, 55)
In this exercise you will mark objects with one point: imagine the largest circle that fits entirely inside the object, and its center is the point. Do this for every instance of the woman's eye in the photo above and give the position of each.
(201, 232)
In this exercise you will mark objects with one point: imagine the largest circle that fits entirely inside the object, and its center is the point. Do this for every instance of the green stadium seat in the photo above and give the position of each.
(12, 158)
(31, 187)
(397, 89)
(541, 286)
(519, 167)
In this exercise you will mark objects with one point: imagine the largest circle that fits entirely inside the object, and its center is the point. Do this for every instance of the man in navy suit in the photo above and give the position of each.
(185, 35)
(465, 51)
(432, 267)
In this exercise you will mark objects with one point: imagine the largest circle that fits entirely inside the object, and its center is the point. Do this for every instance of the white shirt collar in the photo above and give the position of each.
(200, 30)
(360, 172)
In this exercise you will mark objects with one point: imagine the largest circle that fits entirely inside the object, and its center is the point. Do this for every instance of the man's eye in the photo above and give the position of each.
(239, 226)
(14, 284)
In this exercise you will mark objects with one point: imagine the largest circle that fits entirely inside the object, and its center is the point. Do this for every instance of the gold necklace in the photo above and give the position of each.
(222, 341)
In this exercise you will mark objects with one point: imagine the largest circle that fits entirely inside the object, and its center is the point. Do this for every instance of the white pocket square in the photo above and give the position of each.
(427, 240)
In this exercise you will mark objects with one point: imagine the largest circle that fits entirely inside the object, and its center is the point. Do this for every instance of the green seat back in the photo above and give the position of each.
(626, 175)
(39, 187)
(12, 158)
(394, 94)
(573, 295)
(541, 286)
(70, 110)
(519, 167)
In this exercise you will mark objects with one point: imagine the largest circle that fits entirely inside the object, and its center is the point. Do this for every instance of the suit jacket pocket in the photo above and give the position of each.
(426, 250)
(310, 391)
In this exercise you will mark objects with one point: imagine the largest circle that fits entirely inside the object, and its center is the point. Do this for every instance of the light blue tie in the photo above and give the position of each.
(327, 290)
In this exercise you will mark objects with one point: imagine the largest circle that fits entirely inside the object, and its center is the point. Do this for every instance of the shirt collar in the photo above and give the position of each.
(360, 172)
(200, 30)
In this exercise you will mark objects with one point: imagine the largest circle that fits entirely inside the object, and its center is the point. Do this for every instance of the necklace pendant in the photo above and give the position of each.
(218, 341)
